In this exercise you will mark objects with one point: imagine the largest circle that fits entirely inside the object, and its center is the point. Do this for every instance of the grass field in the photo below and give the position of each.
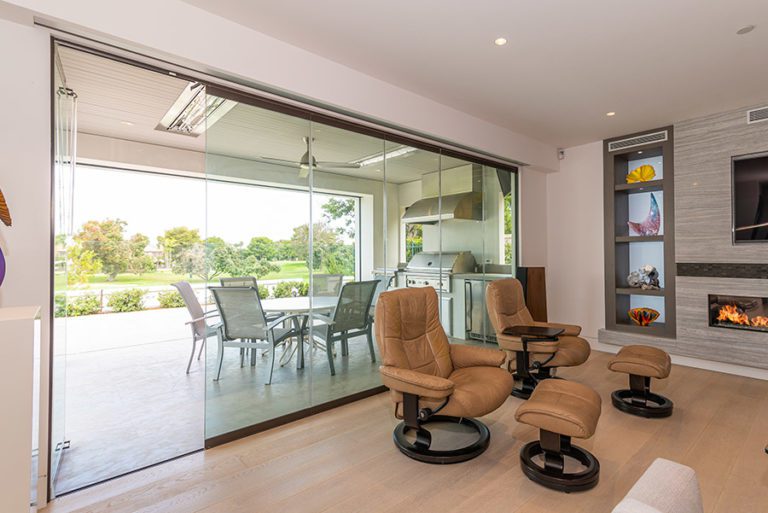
(289, 270)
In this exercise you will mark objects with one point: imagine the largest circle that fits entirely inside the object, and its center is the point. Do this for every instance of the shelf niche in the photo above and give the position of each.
(626, 252)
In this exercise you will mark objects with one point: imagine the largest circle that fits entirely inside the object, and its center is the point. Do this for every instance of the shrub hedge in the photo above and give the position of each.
(170, 299)
(128, 300)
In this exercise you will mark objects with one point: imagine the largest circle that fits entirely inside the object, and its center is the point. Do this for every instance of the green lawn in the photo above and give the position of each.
(288, 270)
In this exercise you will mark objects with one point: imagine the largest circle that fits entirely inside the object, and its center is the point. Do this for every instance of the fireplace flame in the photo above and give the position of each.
(730, 313)
(760, 321)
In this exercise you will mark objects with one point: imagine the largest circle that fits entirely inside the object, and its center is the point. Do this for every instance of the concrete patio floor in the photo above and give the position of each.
(129, 403)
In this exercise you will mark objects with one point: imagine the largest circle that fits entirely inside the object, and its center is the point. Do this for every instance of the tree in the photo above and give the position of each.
(192, 262)
(414, 239)
(176, 241)
(263, 248)
(284, 250)
(343, 211)
(105, 240)
(215, 258)
(82, 264)
(508, 213)
(234, 260)
(323, 239)
(138, 261)
(340, 259)
(508, 229)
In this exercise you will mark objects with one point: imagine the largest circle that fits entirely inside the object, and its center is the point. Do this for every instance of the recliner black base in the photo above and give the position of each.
(554, 448)
(528, 381)
(420, 448)
(639, 400)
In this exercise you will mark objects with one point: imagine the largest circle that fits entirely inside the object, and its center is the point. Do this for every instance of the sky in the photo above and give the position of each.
(152, 203)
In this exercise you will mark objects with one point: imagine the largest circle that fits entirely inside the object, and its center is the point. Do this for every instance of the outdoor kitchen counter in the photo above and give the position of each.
(482, 276)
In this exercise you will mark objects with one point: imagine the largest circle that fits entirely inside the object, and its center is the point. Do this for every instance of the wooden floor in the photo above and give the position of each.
(344, 460)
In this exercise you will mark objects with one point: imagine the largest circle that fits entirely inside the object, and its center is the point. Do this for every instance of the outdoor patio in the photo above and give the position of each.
(129, 403)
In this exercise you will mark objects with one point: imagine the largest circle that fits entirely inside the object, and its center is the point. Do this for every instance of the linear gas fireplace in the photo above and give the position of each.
(739, 312)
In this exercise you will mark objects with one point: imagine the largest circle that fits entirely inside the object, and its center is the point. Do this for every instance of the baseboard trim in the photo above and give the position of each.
(698, 363)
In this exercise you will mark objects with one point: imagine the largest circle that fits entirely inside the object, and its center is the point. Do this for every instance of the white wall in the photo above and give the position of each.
(24, 179)
(533, 218)
(574, 234)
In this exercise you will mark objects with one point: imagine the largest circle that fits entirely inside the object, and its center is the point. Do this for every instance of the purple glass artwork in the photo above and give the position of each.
(651, 224)
(2, 267)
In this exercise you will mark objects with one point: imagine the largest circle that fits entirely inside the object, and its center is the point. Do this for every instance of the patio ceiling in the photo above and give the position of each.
(125, 102)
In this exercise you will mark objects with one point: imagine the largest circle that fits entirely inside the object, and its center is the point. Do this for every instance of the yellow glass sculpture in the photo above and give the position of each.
(643, 173)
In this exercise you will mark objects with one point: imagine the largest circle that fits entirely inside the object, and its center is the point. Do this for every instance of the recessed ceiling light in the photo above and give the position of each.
(126, 123)
(640, 152)
(500, 41)
(610, 114)
(745, 30)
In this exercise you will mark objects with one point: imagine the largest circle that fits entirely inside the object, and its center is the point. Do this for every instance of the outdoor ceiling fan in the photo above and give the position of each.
(303, 163)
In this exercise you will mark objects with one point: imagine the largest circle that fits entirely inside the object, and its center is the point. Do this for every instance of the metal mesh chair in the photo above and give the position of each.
(244, 324)
(238, 281)
(327, 285)
(247, 281)
(351, 318)
(201, 330)
(382, 286)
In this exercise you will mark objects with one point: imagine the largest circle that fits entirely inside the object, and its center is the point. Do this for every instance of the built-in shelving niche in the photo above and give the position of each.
(626, 250)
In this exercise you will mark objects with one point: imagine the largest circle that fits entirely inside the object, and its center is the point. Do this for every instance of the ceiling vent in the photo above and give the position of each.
(757, 115)
(640, 140)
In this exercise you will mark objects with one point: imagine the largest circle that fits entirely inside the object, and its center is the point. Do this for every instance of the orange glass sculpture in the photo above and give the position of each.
(643, 316)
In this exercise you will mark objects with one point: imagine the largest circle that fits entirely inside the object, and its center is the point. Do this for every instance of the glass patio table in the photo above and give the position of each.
(299, 305)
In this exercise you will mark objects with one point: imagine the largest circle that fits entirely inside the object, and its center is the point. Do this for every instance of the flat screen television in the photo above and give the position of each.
(750, 198)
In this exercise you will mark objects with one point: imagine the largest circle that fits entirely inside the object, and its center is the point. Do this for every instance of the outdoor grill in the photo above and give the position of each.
(435, 269)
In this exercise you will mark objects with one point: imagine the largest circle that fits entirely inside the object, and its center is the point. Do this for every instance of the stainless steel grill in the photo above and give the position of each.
(435, 269)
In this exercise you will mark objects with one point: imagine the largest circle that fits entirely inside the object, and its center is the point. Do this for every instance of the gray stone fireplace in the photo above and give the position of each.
(708, 263)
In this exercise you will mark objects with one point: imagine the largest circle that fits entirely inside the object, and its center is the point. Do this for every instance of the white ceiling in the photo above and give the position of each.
(567, 63)
(121, 101)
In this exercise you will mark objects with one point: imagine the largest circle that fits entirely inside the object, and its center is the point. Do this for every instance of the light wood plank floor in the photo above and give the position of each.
(344, 460)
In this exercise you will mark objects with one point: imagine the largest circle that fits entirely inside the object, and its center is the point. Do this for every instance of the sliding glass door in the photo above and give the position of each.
(297, 210)
(64, 159)
(219, 257)
(258, 218)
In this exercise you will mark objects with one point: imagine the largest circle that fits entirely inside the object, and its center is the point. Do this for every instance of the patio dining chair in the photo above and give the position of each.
(382, 286)
(351, 318)
(201, 329)
(245, 326)
(247, 281)
(327, 285)
(238, 281)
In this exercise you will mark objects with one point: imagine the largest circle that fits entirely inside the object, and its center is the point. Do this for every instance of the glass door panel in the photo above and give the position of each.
(462, 234)
(349, 246)
(65, 136)
(498, 260)
(258, 209)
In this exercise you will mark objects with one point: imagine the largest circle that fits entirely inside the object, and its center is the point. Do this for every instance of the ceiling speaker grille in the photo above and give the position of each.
(757, 115)
(640, 140)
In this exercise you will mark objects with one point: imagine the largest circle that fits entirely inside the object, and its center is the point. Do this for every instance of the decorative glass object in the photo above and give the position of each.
(643, 173)
(5, 217)
(643, 316)
(651, 224)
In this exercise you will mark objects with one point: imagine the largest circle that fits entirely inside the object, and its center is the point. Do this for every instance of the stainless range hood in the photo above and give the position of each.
(463, 205)
(467, 205)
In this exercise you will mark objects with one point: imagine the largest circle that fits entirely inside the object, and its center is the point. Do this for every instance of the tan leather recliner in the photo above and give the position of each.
(506, 308)
(426, 375)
